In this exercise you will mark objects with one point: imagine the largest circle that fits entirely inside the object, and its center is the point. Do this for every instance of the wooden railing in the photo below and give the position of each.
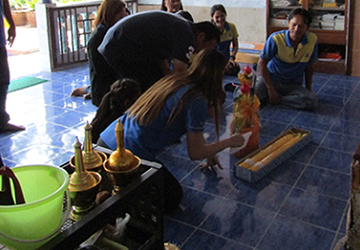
(70, 28)
(64, 32)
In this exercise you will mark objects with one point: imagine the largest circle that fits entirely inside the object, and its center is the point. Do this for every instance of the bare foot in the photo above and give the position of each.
(8, 127)
(170, 246)
(79, 91)
(87, 96)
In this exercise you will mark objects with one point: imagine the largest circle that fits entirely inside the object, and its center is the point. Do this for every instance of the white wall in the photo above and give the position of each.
(249, 16)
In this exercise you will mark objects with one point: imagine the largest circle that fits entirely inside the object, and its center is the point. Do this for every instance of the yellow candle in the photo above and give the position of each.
(260, 164)
(266, 151)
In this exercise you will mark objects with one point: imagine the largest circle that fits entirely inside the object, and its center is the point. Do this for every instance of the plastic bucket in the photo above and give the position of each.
(30, 225)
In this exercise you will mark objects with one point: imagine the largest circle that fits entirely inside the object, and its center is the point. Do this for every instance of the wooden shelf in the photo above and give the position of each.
(330, 36)
(326, 37)
(330, 9)
(335, 67)
(286, 7)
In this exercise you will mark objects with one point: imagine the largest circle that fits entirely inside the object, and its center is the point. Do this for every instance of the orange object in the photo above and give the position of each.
(332, 5)
(253, 143)
(246, 113)
(246, 118)
(329, 56)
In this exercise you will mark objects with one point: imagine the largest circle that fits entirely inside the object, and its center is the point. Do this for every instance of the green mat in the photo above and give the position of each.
(24, 82)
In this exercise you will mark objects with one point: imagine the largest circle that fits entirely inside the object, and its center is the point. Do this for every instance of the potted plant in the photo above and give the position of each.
(18, 11)
(30, 14)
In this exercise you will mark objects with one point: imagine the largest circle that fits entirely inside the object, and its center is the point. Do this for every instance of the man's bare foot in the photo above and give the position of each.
(79, 91)
(87, 96)
(8, 127)
(170, 246)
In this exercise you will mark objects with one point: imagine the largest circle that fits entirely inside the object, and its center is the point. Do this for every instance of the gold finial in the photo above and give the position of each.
(80, 179)
(121, 159)
(92, 158)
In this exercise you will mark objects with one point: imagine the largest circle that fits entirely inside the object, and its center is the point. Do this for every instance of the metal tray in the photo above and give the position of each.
(142, 199)
(253, 176)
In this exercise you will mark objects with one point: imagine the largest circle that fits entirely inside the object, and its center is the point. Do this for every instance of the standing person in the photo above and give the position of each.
(229, 37)
(5, 11)
(138, 47)
(171, 6)
(101, 74)
(288, 56)
(177, 104)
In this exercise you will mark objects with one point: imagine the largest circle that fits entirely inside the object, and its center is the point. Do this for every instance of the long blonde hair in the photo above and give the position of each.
(205, 72)
(107, 12)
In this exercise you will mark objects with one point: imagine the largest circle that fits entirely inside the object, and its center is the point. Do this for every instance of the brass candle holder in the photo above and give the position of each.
(93, 159)
(122, 165)
(83, 186)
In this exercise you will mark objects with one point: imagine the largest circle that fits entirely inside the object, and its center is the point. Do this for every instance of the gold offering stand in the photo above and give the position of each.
(93, 159)
(122, 165)
(137, 190)
(83, 186)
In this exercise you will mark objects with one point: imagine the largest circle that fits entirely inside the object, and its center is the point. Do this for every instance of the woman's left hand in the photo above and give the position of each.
(210, 163)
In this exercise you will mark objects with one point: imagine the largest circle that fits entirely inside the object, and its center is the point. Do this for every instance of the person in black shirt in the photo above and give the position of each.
(138, 46)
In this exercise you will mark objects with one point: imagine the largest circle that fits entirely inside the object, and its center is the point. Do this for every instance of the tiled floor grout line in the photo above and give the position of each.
(281, 206)
(335, 241)
(82, 110)
(292, 188)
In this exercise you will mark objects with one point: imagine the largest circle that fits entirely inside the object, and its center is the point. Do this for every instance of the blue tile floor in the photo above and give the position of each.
(299, 205)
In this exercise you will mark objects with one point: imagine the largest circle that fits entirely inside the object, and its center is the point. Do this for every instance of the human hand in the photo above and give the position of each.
(231, 62)
(228, 66)
(11, 35)
(210, 163)
(236, 140)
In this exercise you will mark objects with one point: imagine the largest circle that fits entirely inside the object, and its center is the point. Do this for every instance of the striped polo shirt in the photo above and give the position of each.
(287, 64)
(230, 32)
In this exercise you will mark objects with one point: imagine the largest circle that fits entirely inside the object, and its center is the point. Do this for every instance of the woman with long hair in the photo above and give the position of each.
(101, 73)
(175, 105)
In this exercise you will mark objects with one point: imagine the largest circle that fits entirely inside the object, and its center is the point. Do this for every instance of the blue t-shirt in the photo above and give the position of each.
(285, 64)
(147, 141)
(2, 31)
